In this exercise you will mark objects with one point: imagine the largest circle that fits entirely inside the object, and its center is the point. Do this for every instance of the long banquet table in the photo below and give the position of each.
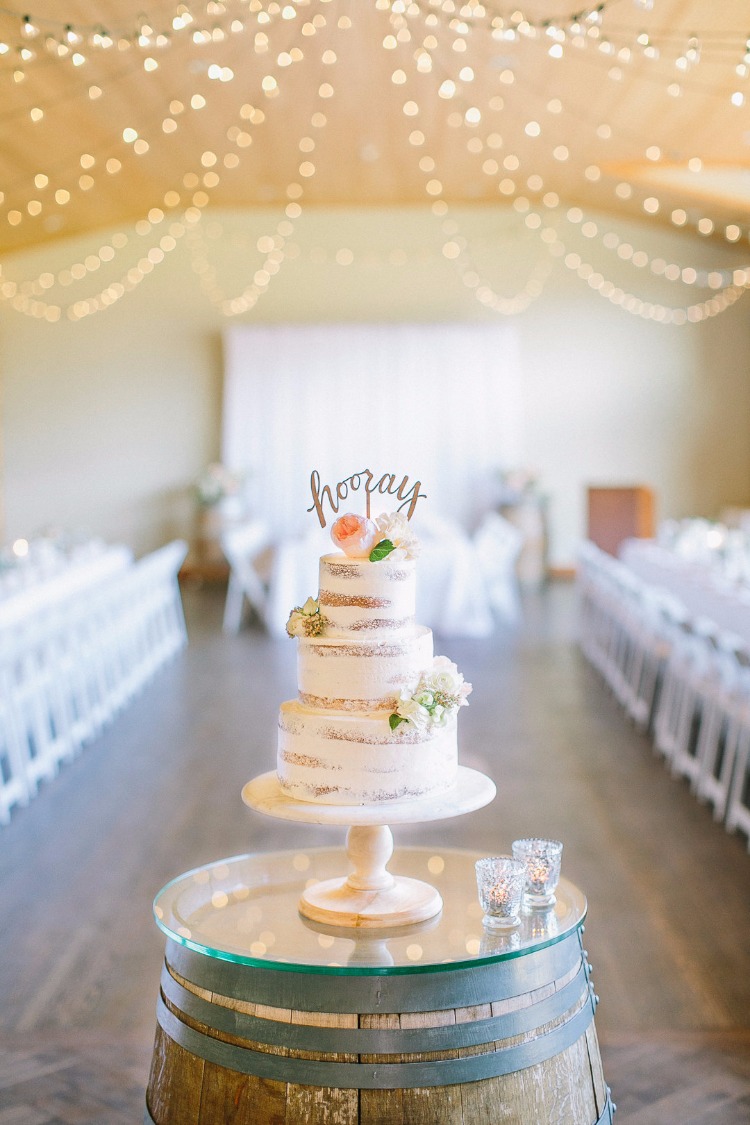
(82, 572)
(703, 589)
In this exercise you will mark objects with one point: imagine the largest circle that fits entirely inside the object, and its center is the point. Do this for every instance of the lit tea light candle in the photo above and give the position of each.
(500, 882)
(499, 897)
(541, 861)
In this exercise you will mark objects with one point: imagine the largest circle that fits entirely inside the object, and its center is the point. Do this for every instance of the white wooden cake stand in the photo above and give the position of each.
(370, 896)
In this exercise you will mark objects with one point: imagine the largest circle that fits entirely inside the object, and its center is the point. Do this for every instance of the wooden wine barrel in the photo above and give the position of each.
(511, 1041)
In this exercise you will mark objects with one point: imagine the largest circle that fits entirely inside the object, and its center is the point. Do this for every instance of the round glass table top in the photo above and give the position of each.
(244, 910)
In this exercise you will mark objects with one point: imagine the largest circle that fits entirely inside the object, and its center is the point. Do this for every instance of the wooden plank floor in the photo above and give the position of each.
(669, 902)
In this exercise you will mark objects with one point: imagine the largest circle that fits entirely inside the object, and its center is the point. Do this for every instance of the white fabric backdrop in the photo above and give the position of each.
(441, 403)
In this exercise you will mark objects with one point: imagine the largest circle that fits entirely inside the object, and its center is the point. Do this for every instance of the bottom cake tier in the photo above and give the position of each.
(337, 758)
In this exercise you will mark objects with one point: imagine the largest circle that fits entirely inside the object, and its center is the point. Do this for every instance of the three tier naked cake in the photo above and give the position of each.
(371, 737)
(376, 715)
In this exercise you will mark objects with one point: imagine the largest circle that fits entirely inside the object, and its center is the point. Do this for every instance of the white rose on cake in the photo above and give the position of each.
(447, 679)
(395, 528)
(412, 711)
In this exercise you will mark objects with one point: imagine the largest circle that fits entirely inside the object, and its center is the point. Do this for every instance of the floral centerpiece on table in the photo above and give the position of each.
(517, 485)
(438, 694)
(217, 483)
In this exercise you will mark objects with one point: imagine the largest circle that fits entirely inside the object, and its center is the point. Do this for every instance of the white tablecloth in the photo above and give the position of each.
(704, 591)
(84, 572)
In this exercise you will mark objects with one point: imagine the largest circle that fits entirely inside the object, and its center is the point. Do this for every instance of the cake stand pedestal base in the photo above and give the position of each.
(370, 896)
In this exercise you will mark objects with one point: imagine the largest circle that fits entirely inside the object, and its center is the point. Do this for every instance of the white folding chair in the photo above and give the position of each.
(650, 656)
(718, 708)
(611, 617)
(675, 706)
(738, 804)
(242, 547)
(702, 684)
(78, 674)
(589, 589)
(15, 786)
(725, 735)
(41, 718)
(729, 788)
(146, 638)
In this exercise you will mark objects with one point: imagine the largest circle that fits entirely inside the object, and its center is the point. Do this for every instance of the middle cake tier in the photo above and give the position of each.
(362, 675)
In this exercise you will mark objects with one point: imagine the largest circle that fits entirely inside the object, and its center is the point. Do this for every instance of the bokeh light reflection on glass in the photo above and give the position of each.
(249, 915)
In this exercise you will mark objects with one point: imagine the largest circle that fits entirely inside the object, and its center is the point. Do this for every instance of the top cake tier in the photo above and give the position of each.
(358, 597)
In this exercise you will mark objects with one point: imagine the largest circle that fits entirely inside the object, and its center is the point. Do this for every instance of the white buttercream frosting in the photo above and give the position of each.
(361, 598)
(362, 675)
(336, 758)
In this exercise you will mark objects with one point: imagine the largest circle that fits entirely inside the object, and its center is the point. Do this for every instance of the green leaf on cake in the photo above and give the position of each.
(394, 720)
(382, 550)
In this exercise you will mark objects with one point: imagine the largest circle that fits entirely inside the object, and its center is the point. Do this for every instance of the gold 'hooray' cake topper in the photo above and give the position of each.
(385, 485)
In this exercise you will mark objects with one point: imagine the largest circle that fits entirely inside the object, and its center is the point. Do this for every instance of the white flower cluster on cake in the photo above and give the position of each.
(394, 528)
(306, 620)
(438, 695)
(389, 536)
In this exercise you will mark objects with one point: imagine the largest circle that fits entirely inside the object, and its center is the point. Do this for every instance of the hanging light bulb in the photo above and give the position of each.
(28, 28)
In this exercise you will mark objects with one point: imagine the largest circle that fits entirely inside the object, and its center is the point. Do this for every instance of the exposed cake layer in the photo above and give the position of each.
(335, 758)
(363, 675)
(360, 598)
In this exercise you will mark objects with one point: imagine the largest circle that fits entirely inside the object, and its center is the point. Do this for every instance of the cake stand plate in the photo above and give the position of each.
(370, 896)
(473, 790)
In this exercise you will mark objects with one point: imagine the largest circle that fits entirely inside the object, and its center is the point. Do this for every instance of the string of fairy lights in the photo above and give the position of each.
(731, 284)
(436, 49)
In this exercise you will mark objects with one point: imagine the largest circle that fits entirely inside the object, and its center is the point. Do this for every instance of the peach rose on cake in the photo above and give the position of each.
(355, 535)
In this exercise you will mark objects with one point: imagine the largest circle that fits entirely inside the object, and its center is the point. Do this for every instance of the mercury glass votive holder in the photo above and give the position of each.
(500, 882)
(541, 860)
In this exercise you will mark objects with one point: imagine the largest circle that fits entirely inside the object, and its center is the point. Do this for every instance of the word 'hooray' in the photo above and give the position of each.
(386, 486)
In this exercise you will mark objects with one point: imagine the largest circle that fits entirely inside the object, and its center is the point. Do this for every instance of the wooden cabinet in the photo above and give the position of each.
(615, 514)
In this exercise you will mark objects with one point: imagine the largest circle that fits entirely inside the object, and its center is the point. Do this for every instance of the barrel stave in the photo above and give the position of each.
(381, 1107)
(174, 1087)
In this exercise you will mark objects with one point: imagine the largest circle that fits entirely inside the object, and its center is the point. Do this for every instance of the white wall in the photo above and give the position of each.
(108, 420)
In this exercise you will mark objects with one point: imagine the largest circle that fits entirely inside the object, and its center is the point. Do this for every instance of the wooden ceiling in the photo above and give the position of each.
(370, 102)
